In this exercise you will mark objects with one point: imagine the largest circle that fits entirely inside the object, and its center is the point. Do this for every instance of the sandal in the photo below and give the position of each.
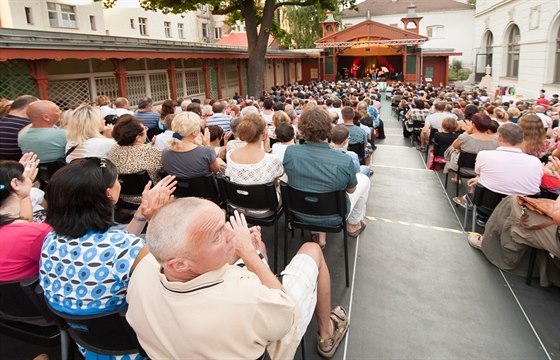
(359, 230)
(327, 347)
(315, 237)
(475, 240)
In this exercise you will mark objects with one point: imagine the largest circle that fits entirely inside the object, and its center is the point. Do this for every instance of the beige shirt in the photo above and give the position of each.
(223, 314)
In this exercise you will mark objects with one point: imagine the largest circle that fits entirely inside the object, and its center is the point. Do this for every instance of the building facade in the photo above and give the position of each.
(53, 50)
(520, 40)
(448, 24)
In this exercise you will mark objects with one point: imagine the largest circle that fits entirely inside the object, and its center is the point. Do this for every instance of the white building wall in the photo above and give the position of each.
(12, 15)
(538, 22)
(458, 30)
(118, 23)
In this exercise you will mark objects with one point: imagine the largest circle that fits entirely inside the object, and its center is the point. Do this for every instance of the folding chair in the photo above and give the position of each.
(132, 185)
(483, 200)
(259, 204)
(417, 126)
(22, 317)
(466, 161)
(202, 186)
(359, 149)
(302, 203)
(47, 170)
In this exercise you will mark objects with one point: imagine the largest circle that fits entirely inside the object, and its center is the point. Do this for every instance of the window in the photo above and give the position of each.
(167, 27)
(217, 33)
(557, 75)
(142, 25)
(205, 32)
(435, 31)
(132, 26)
(513, 51)
(61, 15)
(180, 31)
(28, 16)
(92, 22)
(488, 47)
(204, 8)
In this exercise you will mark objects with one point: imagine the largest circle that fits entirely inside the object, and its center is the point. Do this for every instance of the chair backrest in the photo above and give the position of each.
(253, 197)
(315, 204)
(466, 160)
(133, 184)
(486, 198)
(417, 124)
(358, 148)
(107, 333)
(202, 186)
(16, 304)
(47, 170)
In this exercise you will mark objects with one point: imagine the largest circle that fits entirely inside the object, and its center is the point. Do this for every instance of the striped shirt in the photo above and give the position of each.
(10, 125)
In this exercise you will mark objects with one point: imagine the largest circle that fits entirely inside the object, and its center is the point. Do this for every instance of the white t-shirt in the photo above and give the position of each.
(94, 147)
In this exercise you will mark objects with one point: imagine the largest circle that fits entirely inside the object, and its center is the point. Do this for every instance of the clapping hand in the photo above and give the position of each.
(243, 241)
(30, 163)
(156, 197)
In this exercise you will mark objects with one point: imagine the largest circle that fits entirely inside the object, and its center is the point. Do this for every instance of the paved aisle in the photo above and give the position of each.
(419, 290)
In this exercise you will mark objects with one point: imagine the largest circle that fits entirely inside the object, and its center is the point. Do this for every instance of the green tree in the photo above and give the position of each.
(456, 65)
(259, 23)
(304, 25)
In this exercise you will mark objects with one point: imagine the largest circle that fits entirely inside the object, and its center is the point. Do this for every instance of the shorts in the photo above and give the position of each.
(299, 279)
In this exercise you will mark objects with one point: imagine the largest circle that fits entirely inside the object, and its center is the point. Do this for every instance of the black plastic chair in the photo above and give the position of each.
(132, 185)
(314, 204)
(23, 317)
(359, 149)
(250, 198)
(108, 333)
(433, 133)
(484, 201)
(417, 126)
(202, 187)
(47, 170)
(466, 161)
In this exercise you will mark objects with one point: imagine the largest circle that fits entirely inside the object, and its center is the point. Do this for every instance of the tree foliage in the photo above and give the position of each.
(257, 15)
(304, 24)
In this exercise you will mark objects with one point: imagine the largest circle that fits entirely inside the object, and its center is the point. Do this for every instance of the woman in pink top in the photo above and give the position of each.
(21, 239)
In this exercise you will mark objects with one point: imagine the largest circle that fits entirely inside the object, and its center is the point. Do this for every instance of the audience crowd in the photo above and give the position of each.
(317, 137)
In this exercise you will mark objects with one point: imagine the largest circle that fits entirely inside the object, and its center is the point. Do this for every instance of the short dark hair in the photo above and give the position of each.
(470, 110)
(268, 104)
(144, 102)
(126, 129)
(284, 132)
(195, 108)
(77, 197)
(22, 101)
(216, 132)
(315, 124)
(339, 134)
(347, 113)
(483, 122)
(9, 170)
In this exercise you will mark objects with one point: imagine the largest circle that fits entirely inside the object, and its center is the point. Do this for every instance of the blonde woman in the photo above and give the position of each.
(188, 154)
(501, 115)
(87, 134)
(277, 118)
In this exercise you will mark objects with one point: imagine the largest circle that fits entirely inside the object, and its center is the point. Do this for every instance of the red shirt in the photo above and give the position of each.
(21, 249)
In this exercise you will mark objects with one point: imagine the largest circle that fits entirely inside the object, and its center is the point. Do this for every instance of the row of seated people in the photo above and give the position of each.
(508, 162)
(85, 262)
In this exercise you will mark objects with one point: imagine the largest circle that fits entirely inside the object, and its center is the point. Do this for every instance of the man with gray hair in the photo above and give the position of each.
(507, 170)
(205, 290)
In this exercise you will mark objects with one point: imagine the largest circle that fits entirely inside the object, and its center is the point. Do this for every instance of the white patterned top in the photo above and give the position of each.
(265, 171)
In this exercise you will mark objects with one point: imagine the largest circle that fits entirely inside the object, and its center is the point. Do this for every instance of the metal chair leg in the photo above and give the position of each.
(276, 246)
(303, 349)
(346, 255)
(532, 259)
(286, 242)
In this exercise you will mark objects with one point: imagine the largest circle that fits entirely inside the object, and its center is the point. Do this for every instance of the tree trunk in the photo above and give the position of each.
(257, 43)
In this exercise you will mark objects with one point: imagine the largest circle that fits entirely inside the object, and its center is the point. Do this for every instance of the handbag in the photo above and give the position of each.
(541, 206)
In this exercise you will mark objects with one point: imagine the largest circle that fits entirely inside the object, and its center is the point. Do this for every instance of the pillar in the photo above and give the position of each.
(218, 68)
(40, 74)
(239, 77)
(205, 70)
(172, 76)
(120, 75)
(274, 69)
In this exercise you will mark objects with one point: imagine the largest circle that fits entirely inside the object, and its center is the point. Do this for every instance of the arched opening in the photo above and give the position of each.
(488, 47)
(513, 38)
(557, 62)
